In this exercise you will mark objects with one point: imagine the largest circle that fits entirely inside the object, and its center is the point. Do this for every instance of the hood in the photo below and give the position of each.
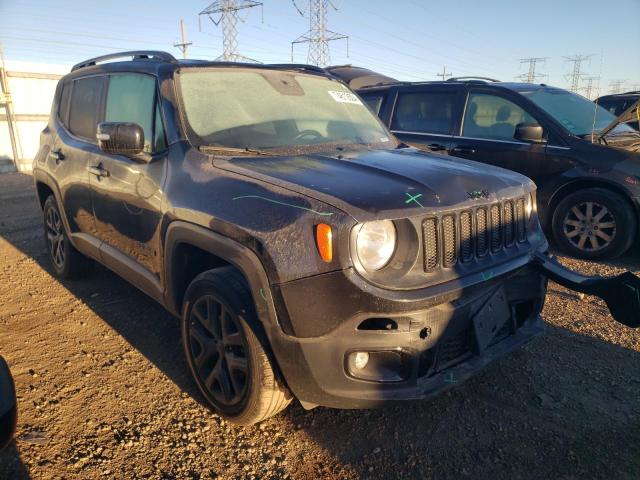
(630, 114)
(388, 184)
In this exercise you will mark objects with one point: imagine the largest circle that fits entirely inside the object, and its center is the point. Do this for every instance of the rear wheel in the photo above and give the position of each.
(594, 223)
(230, 365)
(67, 262)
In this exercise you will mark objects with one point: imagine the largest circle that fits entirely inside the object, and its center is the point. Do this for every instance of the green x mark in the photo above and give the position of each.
(413, 198)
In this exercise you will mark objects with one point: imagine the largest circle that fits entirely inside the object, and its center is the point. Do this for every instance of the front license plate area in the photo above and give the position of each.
(490, 319)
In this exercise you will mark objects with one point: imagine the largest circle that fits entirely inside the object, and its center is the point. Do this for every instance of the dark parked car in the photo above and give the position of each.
(8, 406)
(587, 191)
(618, 103)
(307, 253)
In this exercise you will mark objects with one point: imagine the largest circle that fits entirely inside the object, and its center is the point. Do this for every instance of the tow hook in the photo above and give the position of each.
(621, 293)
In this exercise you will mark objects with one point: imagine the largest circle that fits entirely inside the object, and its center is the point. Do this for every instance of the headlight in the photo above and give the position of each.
(375, 244)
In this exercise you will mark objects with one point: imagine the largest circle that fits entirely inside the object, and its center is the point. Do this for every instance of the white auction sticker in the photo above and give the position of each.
(345, 97)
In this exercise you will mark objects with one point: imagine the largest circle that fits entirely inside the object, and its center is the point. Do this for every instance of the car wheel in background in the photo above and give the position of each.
(230, 365)
(594, 223)
(67, 262)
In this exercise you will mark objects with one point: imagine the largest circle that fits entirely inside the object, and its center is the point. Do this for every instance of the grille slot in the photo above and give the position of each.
(496, 228)
(509, 224)
(430, 242)
(466, 237)
(449, 239)
(483, 232)
(520, 220)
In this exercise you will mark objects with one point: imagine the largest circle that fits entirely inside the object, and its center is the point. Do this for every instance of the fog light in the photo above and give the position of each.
(359, 359)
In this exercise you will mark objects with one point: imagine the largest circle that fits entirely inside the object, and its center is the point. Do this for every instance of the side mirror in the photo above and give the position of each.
(120, 138)
(8, 405)
(529, 132)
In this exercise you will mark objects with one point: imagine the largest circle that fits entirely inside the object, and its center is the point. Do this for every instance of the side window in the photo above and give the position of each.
(131, 98)
(63, 104)
(492, 117)
(374, 102)
(85, 104)
(424, 112)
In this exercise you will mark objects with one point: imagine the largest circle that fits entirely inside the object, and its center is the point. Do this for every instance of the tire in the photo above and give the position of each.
(227, 360)
(594, 224)
(67, 262)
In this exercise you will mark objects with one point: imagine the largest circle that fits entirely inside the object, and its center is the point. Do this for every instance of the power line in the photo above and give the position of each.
(183, 46)
(574, 76)
(531, 75)
(226, 12)
(318, 36)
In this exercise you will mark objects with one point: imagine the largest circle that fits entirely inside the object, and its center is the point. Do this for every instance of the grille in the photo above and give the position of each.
(449, 240)
(464, 236)
(430, 240)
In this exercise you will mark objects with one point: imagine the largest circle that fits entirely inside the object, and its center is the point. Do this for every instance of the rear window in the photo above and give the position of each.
(424, 112)
(85, 105)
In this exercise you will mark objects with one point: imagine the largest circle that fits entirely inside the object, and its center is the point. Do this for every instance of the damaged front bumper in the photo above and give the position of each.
(356, 346)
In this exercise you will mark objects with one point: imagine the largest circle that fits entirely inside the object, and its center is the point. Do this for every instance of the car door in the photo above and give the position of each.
(424, 116)
(487, 133)
(75, 142)
(127, 192)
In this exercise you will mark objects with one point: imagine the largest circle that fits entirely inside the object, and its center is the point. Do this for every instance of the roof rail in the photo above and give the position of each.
(135, 55)
(484, 79)
(298, 66)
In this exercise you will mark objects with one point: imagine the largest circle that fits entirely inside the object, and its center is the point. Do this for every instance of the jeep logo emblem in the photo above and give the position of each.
(476, 194)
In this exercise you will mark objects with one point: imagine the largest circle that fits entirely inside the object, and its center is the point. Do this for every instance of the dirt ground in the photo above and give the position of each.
(104, 392)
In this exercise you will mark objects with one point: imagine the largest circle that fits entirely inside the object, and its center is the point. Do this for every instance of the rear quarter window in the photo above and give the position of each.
(63, 104)
(374, 101)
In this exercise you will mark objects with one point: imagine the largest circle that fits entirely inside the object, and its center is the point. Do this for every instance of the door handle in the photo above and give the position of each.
(463, 150)
(436, 147)
(98, 170)
(56, 155)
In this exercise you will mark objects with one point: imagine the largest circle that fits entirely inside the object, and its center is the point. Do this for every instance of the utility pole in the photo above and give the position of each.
(591, 87)
(225, 12)
(444, 75)
(183, 46)
(616, 86)
(531, 75)
(574, 76)
(318, 36)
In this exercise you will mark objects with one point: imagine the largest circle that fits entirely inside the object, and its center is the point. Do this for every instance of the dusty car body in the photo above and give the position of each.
(308, 254)
(8, 405)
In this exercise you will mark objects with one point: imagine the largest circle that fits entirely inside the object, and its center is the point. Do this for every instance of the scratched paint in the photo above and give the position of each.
(323, 214)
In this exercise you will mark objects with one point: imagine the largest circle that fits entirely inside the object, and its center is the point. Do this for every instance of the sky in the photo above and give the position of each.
(405, 39)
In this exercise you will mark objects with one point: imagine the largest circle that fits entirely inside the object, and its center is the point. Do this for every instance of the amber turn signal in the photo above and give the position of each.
(324, 241)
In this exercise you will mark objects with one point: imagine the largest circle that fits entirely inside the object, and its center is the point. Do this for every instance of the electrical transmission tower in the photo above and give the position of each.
(574, 76)
(591, 87)
(318, 36)
(616, 86)
(225, 12)
(531, 75)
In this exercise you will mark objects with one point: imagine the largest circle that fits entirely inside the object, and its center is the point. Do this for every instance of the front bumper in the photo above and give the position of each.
(422, 344)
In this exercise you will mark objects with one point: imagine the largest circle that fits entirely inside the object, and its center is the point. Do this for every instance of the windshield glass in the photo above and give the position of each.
(261, 109)
(574, 112)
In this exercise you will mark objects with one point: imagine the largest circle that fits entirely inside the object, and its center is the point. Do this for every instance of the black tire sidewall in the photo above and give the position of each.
(620, 209)
(215, 286)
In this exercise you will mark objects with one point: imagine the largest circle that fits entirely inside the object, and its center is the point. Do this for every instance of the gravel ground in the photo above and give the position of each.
(104, 392)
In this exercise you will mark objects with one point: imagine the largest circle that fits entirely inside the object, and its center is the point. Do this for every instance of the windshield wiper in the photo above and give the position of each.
(239, 151)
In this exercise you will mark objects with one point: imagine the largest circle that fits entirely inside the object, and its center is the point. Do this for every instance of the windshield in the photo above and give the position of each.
(261, 109)
(574, 112)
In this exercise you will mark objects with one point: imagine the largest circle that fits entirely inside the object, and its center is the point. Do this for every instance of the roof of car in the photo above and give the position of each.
(624, 95)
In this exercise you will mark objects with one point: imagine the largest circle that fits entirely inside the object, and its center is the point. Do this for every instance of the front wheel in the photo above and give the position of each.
(229, 363)
(594, 224)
